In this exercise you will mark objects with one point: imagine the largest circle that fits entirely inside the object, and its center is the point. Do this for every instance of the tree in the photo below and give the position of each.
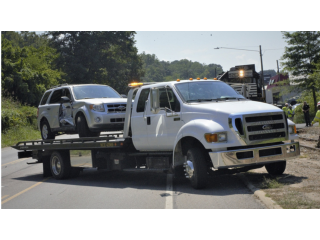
(27, 72)
(301, 57)
(98, 57)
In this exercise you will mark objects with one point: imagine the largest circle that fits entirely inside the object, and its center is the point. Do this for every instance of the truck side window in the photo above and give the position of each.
(45, 98)
(164, 100)
(142, 99)
(56, 96)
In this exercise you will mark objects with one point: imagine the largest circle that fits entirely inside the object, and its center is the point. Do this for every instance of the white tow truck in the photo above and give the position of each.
(193, 128)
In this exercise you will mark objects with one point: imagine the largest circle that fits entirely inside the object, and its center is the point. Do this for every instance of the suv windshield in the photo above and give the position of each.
(94, 91)
(207, 91)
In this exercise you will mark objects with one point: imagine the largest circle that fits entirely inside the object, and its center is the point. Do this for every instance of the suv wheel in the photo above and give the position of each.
(82, 127)
(45, 129)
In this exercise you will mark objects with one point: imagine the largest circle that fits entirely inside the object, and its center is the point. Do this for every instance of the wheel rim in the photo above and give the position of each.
(56, 165)
(189, 169)
(45, 131)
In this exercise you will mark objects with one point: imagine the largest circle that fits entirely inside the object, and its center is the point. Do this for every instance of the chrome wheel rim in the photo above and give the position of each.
(56, 165)
(45, 131)
(189, 169)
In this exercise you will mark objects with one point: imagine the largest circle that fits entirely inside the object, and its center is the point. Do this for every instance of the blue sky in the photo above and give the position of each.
(199, 46)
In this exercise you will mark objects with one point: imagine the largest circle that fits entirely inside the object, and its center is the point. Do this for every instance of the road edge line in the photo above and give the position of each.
(169, 192)
(23, 191)
(269, 202)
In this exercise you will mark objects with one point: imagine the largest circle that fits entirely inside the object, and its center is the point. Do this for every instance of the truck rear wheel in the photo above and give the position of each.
(196, 168)
(60, 165)
(276, 168)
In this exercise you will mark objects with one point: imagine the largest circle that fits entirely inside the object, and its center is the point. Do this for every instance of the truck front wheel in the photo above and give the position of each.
(60, 165)
(276, 168)
(196, 168)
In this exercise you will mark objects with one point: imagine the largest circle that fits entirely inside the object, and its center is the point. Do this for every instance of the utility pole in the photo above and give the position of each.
(278, 71)
(262, 77)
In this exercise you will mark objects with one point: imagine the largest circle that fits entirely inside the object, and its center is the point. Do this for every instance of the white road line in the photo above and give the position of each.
(169, 192)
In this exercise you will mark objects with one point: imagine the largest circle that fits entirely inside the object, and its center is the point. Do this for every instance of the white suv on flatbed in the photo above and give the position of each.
(86, 109)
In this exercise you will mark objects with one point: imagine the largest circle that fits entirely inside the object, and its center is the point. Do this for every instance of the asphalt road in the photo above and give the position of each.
(24, 187)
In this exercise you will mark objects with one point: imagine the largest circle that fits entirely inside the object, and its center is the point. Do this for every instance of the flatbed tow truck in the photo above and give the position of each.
(192, 128)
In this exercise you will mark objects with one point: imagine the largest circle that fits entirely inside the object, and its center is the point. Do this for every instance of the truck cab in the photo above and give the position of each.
(208, 119)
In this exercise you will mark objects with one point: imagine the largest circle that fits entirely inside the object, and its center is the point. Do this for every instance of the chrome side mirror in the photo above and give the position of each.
(154, 100)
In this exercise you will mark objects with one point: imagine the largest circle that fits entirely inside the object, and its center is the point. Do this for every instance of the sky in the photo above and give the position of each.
(199, 46)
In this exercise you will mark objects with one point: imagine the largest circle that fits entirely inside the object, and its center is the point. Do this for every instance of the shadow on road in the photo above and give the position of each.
(217, 185)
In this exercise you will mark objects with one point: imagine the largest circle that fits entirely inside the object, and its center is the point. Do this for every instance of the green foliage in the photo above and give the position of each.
(158, 71)
(14, 114)
(301, 59)
(98, 57)
(22, 133)
(27, 72)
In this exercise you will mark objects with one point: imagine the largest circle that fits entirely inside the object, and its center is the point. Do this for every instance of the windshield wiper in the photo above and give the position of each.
(200, 100)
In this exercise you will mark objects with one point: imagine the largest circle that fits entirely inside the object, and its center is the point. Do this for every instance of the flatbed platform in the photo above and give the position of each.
(106, 141)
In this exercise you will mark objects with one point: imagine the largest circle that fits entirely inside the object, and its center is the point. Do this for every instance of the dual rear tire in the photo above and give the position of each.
(60, 167)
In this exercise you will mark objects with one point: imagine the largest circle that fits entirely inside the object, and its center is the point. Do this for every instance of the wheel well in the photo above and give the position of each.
(77, 115)
(191, 142)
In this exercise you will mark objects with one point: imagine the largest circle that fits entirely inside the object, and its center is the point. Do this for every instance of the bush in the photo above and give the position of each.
(14, 115)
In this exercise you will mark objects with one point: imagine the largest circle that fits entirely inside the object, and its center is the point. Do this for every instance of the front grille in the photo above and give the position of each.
(267, 136)
(116, 108)
(264, 118)
(117, 120)
(261, 128)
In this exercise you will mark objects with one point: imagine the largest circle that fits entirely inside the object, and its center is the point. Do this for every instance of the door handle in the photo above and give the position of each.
(48, 108)
(148, 120)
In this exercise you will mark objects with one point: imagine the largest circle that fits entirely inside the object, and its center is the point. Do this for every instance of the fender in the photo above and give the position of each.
(196, 129)
(84, 111)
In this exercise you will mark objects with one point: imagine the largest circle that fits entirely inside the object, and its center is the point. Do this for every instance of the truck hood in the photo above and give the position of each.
(231, 107)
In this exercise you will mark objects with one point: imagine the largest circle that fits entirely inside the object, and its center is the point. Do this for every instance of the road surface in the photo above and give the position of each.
(24, 187)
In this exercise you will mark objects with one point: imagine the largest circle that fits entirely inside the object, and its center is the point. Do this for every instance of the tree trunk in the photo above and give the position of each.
(314, 99)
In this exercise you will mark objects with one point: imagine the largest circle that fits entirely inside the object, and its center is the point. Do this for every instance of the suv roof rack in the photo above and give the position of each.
(60, 85)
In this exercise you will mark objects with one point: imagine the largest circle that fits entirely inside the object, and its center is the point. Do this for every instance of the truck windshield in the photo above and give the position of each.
(94, 91)
(207, 91)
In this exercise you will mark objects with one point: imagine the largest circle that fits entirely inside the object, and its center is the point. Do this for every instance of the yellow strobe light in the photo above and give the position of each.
(135, 84)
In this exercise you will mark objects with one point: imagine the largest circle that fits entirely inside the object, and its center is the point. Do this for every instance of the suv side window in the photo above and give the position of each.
(45, 98)
(56, 96)
(66, 93)
(173, 102)
(142, 99)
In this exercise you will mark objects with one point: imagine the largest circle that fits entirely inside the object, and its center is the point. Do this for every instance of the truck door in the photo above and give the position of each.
(138, 121)
(163, 126)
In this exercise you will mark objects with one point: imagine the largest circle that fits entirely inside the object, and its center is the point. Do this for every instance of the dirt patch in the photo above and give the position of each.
(299, 186)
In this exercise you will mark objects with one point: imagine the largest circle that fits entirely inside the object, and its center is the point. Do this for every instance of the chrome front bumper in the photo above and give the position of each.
(253, 156)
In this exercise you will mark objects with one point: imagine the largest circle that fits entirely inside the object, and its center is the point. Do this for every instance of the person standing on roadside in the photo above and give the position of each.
(290, 113)
(305, 110)
(285, 109)
(317, 117)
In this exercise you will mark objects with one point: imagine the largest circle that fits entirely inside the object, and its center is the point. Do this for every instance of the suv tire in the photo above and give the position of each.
(45, 129)
(82, 127)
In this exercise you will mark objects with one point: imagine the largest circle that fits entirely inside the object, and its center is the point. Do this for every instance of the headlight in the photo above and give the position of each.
(216, 137)
(292, 129)
(97, 107)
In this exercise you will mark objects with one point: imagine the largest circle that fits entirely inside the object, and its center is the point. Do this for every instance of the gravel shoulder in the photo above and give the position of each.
(299, 186)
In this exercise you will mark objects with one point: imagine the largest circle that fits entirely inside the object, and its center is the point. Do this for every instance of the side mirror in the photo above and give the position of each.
(123, 95)
(154, 100)
(64, 99)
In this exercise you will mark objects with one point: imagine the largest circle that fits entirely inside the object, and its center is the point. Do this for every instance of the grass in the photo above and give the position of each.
(18, 122)
(270, 183)
(14, 135)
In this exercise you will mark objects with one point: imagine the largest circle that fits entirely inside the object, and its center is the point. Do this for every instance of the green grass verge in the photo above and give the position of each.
(23, 133)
